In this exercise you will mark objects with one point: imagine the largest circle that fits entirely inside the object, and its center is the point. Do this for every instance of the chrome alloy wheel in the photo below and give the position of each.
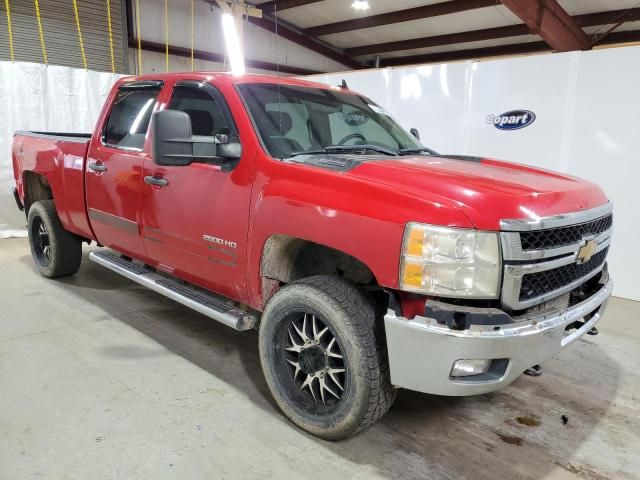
(316, 362)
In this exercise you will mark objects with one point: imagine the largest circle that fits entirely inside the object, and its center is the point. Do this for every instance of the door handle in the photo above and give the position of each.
(98, 167)
(158, 182)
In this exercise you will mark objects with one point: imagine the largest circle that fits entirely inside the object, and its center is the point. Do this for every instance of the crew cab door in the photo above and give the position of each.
(114, 168)
(195, 217)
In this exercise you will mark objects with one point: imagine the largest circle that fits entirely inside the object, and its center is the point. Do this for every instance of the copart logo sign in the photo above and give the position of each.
(512, 120)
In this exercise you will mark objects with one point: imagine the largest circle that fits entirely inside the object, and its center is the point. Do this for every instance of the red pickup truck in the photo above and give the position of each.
(367, 261)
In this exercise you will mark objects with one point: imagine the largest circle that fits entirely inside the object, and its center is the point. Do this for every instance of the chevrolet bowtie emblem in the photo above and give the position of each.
(587, 251)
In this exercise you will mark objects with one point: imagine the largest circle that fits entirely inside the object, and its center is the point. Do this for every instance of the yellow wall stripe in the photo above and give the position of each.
(139, 35)
(113, 59)
(166, 35)
(10, 31)
(41, 33)
(75, 11)
(192, 37)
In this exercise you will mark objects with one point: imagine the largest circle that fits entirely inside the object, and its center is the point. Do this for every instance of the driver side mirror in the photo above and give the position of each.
(175, 145)
(415, 133)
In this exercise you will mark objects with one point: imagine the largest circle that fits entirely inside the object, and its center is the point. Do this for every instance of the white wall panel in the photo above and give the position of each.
(54, 98)
(542, 84)
(422, 92)
(587, 117)
(604, 146)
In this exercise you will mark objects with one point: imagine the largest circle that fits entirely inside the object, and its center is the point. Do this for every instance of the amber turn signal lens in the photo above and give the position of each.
(412, 274)
(415, 241)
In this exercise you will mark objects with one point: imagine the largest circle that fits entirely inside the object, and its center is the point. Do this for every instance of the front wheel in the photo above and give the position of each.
(56, 252)
(323, 360)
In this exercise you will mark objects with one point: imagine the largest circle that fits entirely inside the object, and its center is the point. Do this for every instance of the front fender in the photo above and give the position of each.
(360, 218)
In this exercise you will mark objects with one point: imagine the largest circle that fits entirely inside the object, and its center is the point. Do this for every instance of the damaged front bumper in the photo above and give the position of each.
(422, 351)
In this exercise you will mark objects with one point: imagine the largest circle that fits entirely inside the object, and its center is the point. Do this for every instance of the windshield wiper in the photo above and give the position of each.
(404, 151)
(346, 149)
(360, 148)
(306, 152)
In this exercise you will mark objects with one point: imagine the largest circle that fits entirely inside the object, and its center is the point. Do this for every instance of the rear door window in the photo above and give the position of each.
(129, 119)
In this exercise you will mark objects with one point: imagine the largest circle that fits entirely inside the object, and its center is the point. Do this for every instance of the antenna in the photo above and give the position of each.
(275, 17)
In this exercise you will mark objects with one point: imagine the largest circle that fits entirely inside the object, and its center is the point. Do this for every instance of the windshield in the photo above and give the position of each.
(297, 120)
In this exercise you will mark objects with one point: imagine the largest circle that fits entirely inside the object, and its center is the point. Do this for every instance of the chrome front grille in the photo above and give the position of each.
(562, 236)
(537, 284)
(542, 255)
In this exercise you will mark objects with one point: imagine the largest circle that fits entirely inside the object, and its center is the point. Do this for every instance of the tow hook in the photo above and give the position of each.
(593, 331)
(534, 371)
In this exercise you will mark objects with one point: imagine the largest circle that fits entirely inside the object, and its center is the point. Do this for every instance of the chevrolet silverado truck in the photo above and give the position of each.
(366, 261)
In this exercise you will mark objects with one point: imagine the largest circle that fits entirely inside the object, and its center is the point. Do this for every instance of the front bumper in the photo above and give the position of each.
(422, 352)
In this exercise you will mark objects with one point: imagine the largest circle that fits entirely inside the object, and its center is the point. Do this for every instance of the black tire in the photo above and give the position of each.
(366, 392)
(57, 253)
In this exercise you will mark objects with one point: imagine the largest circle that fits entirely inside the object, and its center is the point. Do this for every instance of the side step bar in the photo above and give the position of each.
(208, 304)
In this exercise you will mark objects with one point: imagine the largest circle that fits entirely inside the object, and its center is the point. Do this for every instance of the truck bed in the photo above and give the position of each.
(60, 158)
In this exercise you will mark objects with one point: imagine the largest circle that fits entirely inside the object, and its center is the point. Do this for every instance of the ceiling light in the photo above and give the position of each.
(360, 5)
(232, 41)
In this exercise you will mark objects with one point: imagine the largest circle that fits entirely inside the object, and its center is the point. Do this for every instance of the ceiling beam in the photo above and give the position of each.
(627, 36)
(417, 13)
(271, 7)
(217, 57)
(439, 40)
(586, 20)
(515, 49)
(304, 40)
(608, 17)
(500, 50)
(549, 20)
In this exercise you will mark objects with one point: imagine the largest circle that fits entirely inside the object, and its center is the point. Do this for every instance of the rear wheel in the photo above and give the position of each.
(56, 252)
(324, 364)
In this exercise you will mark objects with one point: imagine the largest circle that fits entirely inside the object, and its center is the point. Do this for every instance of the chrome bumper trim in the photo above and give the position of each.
(422, 352)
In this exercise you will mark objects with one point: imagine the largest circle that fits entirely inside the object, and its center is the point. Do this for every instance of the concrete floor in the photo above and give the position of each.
(10, 216)
(101, 378)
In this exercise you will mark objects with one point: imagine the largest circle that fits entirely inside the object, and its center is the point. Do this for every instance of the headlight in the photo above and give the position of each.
(450, 262)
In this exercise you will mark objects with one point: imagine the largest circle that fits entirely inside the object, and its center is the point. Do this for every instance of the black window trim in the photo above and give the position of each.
(134, 85)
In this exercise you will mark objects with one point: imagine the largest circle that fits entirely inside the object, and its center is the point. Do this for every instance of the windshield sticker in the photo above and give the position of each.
(355, 119)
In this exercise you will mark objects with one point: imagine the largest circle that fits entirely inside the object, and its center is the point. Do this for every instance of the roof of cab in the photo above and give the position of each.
(227, 77)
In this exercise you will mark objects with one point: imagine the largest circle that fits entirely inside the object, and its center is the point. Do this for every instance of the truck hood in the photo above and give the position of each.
(485, 190)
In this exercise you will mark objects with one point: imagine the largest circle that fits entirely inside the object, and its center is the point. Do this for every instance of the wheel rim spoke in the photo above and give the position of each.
(332, 373)
(323, 387)
(302, 333)
(297, 370)
(295, 347)
(308, 382)
(317, 335)
(330, 346)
